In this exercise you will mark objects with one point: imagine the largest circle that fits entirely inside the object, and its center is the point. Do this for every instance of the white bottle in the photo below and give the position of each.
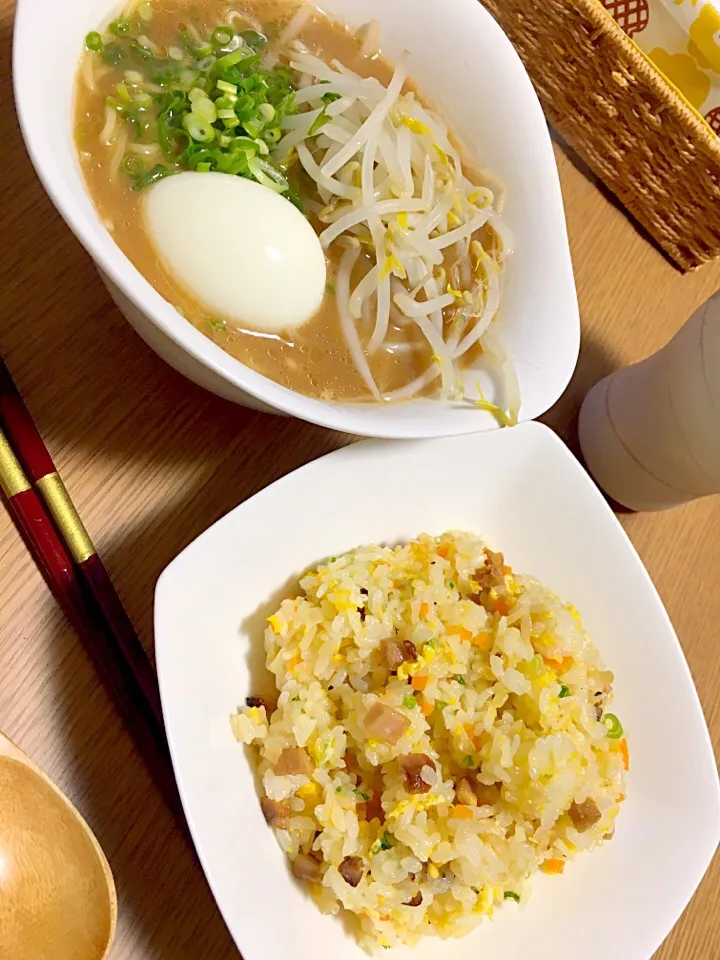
(650, 433)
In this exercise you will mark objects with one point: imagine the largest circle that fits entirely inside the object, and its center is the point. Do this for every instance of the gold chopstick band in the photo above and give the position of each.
(12, 478)
(66, 517)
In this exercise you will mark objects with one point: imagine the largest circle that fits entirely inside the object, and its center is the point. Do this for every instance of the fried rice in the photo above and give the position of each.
(441, 733)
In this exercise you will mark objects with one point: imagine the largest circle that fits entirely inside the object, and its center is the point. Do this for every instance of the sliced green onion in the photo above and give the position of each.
(140, 51)
(205, 110)
(226, 102)
(564, 690)
(253, 39)
(433, 643)
(94, 42)
(468, 762)
(140, 177)
(613, 726)
(440, 705)
(460, 679)
(266, 174)
(511, 895)
(206, 64)
(222, 36)
(385, 841)
(133, 166)
(198, 129)
(198, 106)
(361, 793)
(121, 28)
(230, 59)
(319, 122)
(410, 702)
(187, 78)
(330, 97)
(244, 143)
(242, 54)
(112, 53)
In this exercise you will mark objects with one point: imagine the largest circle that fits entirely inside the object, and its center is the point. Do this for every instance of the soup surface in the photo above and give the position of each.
(117, 129)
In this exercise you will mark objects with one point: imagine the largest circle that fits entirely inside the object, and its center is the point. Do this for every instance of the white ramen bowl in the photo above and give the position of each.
(528, 496)
(466, 66)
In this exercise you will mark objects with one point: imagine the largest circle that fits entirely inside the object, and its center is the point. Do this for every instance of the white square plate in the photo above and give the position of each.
(523, 491)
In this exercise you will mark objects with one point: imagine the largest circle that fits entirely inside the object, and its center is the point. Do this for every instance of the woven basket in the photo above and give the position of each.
(623, 118)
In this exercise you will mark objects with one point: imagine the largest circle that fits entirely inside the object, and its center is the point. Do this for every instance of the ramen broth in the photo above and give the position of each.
(314, 359)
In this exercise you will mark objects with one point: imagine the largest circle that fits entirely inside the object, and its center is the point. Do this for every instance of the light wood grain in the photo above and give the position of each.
(57, 887)
(151, 461)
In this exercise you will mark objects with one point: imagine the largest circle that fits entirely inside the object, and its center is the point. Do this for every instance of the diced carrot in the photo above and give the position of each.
(468, 727)
(620, 797)
(506, 569)
(385, 916)
(444, 550)
(553, 866)
(625, 753)
(561, 664)
(461, 632)
(420, 681)
(424, 609)
(503, 606)
(427, 707)
(461, 812)
(481, 639)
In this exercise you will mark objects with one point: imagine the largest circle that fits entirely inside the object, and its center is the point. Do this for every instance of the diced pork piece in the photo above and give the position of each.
(352, 870)
(491, 576)
(308, 867)
(293, 761)
(584, 815)
(386, 723)
(412, 766)
(276, 813)
(396, 652)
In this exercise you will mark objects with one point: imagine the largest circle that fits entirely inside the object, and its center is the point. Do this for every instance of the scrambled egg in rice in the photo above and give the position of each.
(441, 733)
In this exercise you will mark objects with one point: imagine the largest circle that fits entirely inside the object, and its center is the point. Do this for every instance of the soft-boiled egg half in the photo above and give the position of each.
(242, 250)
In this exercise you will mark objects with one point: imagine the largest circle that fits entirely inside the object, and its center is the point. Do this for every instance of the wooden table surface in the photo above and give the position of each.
(151, 461)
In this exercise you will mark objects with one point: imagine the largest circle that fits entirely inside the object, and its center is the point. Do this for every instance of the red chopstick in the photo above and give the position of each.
(39, 467)
(73, 570)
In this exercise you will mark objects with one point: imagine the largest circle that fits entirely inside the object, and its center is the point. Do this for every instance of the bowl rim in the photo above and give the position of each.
(348, 417)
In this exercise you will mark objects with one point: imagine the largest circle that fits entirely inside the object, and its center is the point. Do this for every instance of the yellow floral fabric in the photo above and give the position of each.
(682, 38)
